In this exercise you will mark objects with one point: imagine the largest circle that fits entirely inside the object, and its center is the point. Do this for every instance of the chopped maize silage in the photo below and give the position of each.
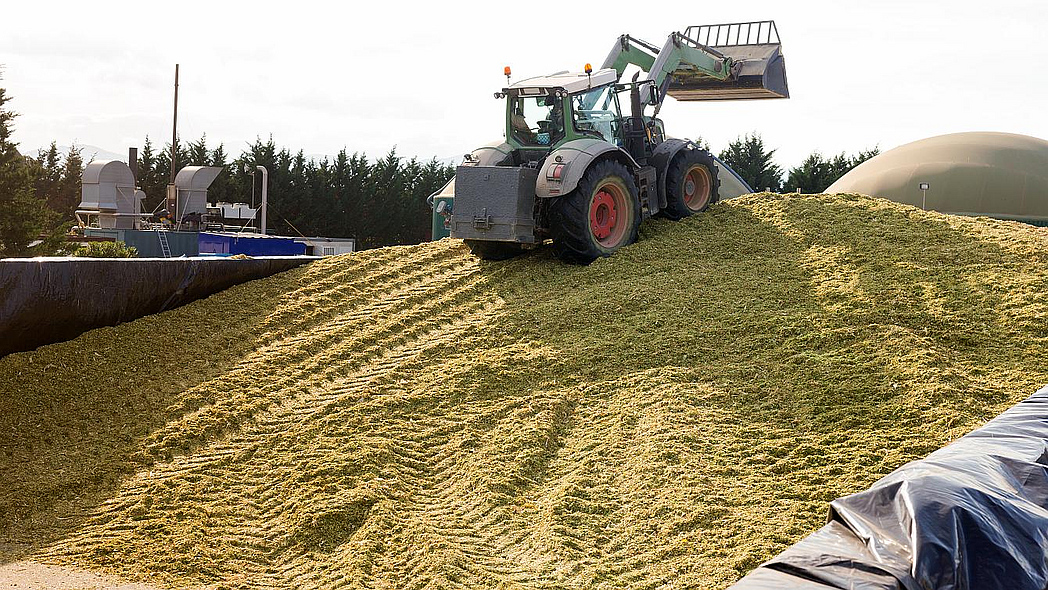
(410, 417)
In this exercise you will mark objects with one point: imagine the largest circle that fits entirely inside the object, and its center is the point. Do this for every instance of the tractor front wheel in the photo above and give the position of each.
(600, 216)
(691, 184)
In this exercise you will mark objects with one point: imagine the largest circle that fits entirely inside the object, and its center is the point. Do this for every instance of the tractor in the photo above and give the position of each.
(574, 169)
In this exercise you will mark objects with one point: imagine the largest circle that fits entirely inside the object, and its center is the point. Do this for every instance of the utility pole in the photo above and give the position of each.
(172, 193)
(174, 131)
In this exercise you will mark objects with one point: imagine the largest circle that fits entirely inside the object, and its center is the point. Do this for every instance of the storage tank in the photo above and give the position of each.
(999, 175)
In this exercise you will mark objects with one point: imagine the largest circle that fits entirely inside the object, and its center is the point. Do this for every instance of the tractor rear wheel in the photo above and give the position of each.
(691, 184)
(486, 250)
(600, 216)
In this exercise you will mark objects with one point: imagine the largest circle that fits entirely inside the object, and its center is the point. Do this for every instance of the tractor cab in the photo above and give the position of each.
(547, 111)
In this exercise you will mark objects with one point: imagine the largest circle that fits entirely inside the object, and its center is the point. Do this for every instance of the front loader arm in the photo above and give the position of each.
(678, 53)
(629, 50)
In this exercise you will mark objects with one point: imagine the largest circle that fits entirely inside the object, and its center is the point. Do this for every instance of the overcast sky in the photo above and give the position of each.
(321, 76)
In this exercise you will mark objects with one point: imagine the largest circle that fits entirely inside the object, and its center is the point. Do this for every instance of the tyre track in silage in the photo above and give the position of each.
(348, 427)
(388, 328)
(438, 530)
(317, 352)
(345, 466)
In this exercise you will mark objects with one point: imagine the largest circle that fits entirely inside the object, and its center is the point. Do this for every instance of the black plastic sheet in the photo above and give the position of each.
(46, 300)
(971, 516)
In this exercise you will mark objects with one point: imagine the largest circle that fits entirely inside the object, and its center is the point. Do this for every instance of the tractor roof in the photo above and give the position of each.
(570, 81)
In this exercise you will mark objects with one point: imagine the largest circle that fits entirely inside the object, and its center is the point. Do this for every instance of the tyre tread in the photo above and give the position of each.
(569, 224)
(676, 209)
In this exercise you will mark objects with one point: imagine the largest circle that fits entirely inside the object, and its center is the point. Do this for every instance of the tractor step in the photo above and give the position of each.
(754, 46)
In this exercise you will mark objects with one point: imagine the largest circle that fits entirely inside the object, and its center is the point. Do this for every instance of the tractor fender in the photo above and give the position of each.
(576, 156)
(492, 154)
(663, 156)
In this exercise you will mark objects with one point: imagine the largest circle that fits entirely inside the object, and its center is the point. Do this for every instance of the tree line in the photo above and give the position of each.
(753, 161)
(32, 195)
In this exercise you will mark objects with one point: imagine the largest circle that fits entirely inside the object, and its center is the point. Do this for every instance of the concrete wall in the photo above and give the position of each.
(46, 300)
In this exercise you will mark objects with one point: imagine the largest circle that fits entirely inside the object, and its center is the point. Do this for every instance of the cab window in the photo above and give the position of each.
(536, 120)
(596, 113)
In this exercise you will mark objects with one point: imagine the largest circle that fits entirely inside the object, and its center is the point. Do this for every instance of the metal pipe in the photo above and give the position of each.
(265, 195)
(174, 131)
(97, 212)
(132, 162)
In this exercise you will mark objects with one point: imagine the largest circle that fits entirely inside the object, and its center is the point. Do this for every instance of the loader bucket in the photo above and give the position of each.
(760, 71)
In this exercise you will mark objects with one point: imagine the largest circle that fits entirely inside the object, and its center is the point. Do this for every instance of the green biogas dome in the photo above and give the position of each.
(999, 175)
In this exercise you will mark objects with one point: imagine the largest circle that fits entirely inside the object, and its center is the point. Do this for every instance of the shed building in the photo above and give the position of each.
(320, 246)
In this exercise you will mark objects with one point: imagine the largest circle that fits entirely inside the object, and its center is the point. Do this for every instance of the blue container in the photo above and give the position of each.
(249, 245)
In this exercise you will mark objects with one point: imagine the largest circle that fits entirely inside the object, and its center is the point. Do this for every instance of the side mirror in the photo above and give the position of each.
(653, 96)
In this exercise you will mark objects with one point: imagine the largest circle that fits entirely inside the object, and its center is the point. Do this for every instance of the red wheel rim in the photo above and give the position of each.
(698, 185)
(609, 215)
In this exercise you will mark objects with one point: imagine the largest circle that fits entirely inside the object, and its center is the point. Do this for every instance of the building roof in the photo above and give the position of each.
(326, 240)
(570, 81)
(245, 235)
(999, 175)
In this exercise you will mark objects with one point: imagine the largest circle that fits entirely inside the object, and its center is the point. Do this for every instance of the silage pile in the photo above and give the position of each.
(410, 417)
